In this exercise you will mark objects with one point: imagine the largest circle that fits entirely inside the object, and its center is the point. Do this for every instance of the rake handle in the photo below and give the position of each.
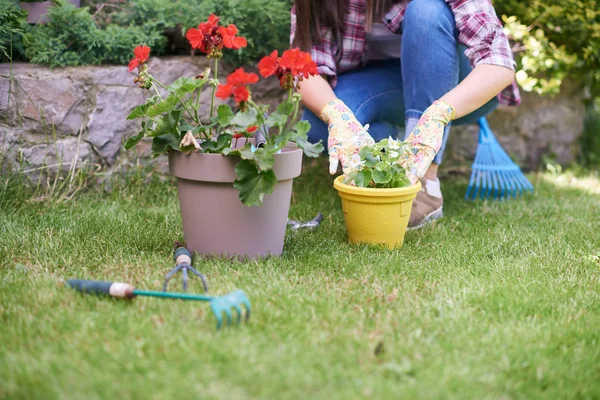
(113, 289)
(126, 291)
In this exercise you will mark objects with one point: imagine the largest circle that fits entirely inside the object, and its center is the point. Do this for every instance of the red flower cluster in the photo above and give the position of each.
(141, 54)
(237, 85)
(210, 38)
(293, 66)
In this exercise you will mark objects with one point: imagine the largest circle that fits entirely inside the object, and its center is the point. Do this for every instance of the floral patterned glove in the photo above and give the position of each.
(426, 139)
(346, 135)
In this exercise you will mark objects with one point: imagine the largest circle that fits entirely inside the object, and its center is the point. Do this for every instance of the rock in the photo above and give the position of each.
(47, 107)
(108, 126)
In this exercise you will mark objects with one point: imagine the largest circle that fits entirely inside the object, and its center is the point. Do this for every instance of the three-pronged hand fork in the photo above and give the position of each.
(183, 261)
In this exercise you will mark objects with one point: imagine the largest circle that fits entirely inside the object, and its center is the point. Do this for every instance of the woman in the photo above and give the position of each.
(420, 64)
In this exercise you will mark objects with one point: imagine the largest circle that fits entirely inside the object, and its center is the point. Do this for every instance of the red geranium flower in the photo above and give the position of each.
(230, 40)
(141, 54)
(210, 38)
(238, 135)
(237, 85)
(291, 68)
(252, 129)
(268, 65)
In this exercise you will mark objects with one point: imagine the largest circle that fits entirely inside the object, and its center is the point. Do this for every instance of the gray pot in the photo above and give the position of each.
(215, 222)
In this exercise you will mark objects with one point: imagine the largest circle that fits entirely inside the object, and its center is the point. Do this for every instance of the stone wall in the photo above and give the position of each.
(60, 116)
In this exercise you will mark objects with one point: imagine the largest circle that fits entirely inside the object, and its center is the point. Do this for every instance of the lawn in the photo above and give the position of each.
(498, 300)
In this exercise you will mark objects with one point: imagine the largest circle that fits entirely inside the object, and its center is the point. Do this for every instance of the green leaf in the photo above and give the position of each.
(132, 141)
(224, 115)
(164, 143)
(381, 166)
(265, 158)
(285, 108)
(223, 142)
(363, 178)
(370, 161)
(168, 124)
(276, 119)
(245, 118)
(381, 177)
(310, 149)
(350, 177)
(162, 106)
(252, 183)
(138, 112)
(300, 130)
(301, 127)
(186, 85)
(365, 151)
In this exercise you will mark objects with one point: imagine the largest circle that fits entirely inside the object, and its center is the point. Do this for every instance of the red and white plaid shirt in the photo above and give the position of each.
(479, 29)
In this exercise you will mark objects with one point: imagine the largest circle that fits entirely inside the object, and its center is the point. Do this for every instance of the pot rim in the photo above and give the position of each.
(374, 192)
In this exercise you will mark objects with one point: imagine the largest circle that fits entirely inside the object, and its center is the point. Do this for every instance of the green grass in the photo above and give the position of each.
(498, 300)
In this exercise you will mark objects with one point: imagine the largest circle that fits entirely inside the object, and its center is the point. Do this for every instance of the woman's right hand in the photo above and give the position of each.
(346, 135)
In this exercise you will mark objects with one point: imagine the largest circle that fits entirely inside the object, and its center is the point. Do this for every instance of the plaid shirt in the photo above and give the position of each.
(479, 29)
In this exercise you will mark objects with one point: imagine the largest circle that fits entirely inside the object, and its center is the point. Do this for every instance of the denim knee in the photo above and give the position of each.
(423, 17)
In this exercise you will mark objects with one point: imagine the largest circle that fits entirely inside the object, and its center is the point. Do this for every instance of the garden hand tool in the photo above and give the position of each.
(312, 224)
(219, 305)
(183, 260)
(493, 171)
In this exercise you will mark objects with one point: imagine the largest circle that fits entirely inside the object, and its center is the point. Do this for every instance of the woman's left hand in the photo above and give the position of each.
(426, 139)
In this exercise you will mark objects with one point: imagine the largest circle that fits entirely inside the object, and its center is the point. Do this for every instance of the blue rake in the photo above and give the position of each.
(494, 174)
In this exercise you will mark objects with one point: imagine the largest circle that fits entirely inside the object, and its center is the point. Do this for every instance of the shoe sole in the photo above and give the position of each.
(432, 216)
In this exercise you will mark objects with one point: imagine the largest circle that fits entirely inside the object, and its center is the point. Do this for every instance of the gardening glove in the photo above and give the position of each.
(425, 140)
(346, 135)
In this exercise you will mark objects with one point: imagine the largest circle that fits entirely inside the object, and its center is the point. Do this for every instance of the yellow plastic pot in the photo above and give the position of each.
(378, 216)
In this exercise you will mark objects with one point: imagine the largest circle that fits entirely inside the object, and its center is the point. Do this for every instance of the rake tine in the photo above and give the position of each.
(502, 185)
(217, 312)
(170, 275)
(239, 312)
(495, 181)
(470, 187)
(483, 184)
(185, 278)
(201, 276)
(229, 316)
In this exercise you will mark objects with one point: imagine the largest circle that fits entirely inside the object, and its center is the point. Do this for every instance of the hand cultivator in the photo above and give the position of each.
(236, 300)
(312, 224)
(183, 260)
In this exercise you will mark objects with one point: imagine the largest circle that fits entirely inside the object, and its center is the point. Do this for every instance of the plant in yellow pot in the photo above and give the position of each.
(377, 195)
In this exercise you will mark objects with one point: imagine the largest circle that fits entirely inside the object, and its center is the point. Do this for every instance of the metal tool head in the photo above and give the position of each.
(312, 224)
(225, 304)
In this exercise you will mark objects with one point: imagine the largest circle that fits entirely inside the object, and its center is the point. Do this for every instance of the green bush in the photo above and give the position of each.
(71, 37)
(12, 27)
(560, 38)
(265, 23)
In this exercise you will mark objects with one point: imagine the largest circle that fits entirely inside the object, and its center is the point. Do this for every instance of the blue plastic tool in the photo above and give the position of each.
(494, 174)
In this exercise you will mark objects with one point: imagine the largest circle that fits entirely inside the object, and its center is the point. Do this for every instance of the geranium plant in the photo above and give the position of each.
(377, 166)
(173, 120)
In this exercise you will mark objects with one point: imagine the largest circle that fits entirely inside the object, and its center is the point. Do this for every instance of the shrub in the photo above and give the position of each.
(71, 37)
(560, 38)
(264, 22)
(12, 27)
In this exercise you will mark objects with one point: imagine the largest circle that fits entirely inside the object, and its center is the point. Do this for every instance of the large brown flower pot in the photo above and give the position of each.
(215, 222)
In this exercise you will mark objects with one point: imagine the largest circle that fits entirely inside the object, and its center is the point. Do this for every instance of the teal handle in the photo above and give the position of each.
(169, 295)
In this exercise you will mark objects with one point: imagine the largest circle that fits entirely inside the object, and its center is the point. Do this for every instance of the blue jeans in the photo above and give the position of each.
(394, 93)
